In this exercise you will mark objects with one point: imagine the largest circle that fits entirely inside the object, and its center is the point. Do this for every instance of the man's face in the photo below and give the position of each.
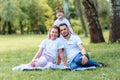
(64, 30)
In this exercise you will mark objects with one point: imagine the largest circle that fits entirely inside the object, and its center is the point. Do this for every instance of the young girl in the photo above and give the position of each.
(61, 19)
(49, 49)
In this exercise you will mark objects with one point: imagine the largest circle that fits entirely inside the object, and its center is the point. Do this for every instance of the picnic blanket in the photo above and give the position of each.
(55, 67)
(26, 67)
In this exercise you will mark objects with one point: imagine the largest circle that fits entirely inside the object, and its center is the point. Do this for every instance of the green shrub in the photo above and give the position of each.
(76, 25)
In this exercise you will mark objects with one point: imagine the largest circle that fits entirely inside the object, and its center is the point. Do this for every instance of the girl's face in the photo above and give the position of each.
(53, 34)
(59, 15)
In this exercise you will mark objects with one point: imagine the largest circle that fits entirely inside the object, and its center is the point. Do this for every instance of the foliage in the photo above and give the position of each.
(104, 12)
(48, 15)
(76, 25)
(32, 14)
(20, 49)
(39, 15)
(53, 5)
(72, 11)
(11, 11)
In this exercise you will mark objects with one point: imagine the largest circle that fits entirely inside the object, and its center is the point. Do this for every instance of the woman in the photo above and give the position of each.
(49, 49)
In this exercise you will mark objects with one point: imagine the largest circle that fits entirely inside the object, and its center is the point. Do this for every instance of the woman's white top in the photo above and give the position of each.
(51, 47)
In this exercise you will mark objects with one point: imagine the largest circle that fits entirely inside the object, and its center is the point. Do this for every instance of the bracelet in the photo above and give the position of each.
(86, 55)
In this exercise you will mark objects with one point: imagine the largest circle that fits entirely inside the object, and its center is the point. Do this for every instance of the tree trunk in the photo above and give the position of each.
(115, 21)
(79, 10)
(96, 35)
(4, 27)
(66, 9)
(21, 27)
(9, 28)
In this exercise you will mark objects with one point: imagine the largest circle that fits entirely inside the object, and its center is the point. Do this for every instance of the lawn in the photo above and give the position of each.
(20, 49)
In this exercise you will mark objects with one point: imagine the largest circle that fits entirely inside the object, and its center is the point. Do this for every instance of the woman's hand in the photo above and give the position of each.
(32, 63)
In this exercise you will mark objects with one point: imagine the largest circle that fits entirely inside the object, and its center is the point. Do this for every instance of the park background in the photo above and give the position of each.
(24, 24)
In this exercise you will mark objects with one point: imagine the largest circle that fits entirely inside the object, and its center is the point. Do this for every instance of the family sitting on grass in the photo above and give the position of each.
(61, 39)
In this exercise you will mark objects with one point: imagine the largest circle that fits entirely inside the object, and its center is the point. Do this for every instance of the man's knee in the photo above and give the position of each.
(73, 66)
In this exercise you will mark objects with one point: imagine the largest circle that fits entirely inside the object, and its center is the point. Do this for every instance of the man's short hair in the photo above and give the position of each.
(63, 24)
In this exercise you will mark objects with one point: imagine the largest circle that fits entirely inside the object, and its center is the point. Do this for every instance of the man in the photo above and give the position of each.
(76, 53)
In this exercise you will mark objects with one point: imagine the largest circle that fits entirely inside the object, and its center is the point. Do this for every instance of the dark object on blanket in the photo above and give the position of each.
(32, 69)
(66, 69)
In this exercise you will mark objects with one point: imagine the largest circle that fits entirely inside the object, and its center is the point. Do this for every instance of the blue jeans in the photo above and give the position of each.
(77, 62)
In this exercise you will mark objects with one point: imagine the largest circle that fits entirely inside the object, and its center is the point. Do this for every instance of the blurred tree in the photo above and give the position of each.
(103, 12)
(96, 35)
(72, 10)
(79, 11)
(0, 24)
(36, 18)
(48, 14)
(41, 16)
(54, 4)
(24, 15)
(6, 19)
(66, 7)
(115, 21)
(10, 13)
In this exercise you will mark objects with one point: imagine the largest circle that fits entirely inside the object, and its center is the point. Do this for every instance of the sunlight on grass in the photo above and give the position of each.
(19, 42)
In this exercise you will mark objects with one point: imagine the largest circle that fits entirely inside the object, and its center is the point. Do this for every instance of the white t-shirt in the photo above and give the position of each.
(64, 20)
(71, 47)
(51, 47)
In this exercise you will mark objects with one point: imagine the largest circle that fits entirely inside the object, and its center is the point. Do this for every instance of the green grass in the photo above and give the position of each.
(19, 49)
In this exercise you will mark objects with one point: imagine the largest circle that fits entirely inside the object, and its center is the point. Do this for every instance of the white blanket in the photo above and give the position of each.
(66, 68)
(26, 67)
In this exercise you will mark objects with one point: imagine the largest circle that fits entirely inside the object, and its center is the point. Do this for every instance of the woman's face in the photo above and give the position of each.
(54, 34)
(59, 15)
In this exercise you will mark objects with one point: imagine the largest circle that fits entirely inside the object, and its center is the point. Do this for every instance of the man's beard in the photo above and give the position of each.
(66, 35)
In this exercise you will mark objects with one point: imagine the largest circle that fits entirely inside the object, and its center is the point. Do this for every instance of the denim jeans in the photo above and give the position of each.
(77, 62)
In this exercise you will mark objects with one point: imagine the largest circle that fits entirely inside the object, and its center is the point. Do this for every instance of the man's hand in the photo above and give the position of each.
(84, 60)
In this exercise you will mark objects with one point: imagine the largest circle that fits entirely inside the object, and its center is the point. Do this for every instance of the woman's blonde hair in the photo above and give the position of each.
(55, 27)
